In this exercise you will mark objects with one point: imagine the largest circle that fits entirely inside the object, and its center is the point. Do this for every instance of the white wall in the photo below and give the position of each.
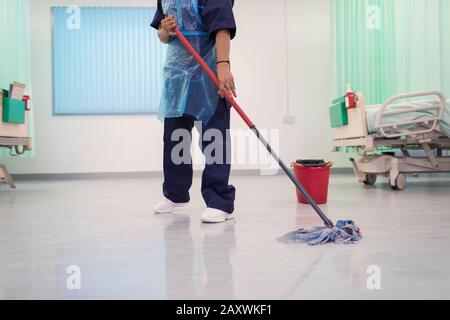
(311, 78)
(134, 143)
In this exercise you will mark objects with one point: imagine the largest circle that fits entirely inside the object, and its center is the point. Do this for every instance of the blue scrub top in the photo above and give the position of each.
(217, 14)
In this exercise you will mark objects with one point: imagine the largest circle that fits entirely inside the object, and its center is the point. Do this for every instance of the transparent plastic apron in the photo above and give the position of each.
(187, 89)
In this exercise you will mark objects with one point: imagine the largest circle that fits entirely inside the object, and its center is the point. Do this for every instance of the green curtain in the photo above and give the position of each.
(386, 47)
(15, 46)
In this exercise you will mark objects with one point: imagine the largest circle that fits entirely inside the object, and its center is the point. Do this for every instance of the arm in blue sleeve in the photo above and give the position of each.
(218, 15)
(159, 16)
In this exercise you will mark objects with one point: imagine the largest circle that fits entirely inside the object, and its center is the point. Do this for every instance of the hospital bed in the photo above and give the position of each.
(15, 138)
(386, 137)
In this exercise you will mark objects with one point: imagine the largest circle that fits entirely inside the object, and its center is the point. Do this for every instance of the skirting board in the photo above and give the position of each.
(136, 175)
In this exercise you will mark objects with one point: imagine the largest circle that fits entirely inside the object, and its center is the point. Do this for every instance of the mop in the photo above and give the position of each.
(344, 232)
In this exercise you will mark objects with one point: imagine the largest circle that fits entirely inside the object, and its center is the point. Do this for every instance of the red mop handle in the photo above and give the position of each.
(213, 77)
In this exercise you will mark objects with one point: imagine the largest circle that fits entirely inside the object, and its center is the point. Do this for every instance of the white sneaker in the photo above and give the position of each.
(166, 206)
(215, 216)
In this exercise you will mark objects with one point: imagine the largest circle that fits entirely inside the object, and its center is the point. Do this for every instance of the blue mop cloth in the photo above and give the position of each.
(345, 232)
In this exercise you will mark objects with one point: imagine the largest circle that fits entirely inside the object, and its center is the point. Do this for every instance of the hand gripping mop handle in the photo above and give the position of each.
(250, 124)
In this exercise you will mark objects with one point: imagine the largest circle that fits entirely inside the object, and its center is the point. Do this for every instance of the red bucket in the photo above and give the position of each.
(314, 175)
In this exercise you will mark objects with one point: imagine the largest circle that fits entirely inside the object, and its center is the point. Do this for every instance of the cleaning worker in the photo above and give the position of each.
(189, 96)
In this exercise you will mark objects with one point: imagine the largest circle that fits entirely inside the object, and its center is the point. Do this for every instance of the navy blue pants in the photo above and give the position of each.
(216, 191)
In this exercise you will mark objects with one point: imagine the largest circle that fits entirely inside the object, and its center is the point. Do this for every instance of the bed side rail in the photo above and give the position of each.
(430, 123)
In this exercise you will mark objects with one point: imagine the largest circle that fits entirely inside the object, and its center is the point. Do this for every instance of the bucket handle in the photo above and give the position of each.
(327, 164)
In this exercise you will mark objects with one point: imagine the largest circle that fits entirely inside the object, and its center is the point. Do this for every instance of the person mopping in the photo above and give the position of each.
(189, 98)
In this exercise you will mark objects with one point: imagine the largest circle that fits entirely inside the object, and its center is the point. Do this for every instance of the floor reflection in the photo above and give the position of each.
(179, 259)
(202, 271)
(218, 243)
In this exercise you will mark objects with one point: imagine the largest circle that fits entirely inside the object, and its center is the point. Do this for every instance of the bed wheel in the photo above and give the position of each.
(371, 179)
(400, 183)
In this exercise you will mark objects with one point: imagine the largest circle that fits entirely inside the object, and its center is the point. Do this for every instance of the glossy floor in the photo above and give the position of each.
(107, 229)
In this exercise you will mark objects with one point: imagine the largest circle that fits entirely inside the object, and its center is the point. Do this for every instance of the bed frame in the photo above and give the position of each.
(14, 137)
(425, 136)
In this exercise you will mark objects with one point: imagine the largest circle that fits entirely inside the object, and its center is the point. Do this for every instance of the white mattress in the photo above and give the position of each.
(410, 116)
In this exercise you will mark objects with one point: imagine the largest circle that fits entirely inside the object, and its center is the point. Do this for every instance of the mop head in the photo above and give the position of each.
(345, 232)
